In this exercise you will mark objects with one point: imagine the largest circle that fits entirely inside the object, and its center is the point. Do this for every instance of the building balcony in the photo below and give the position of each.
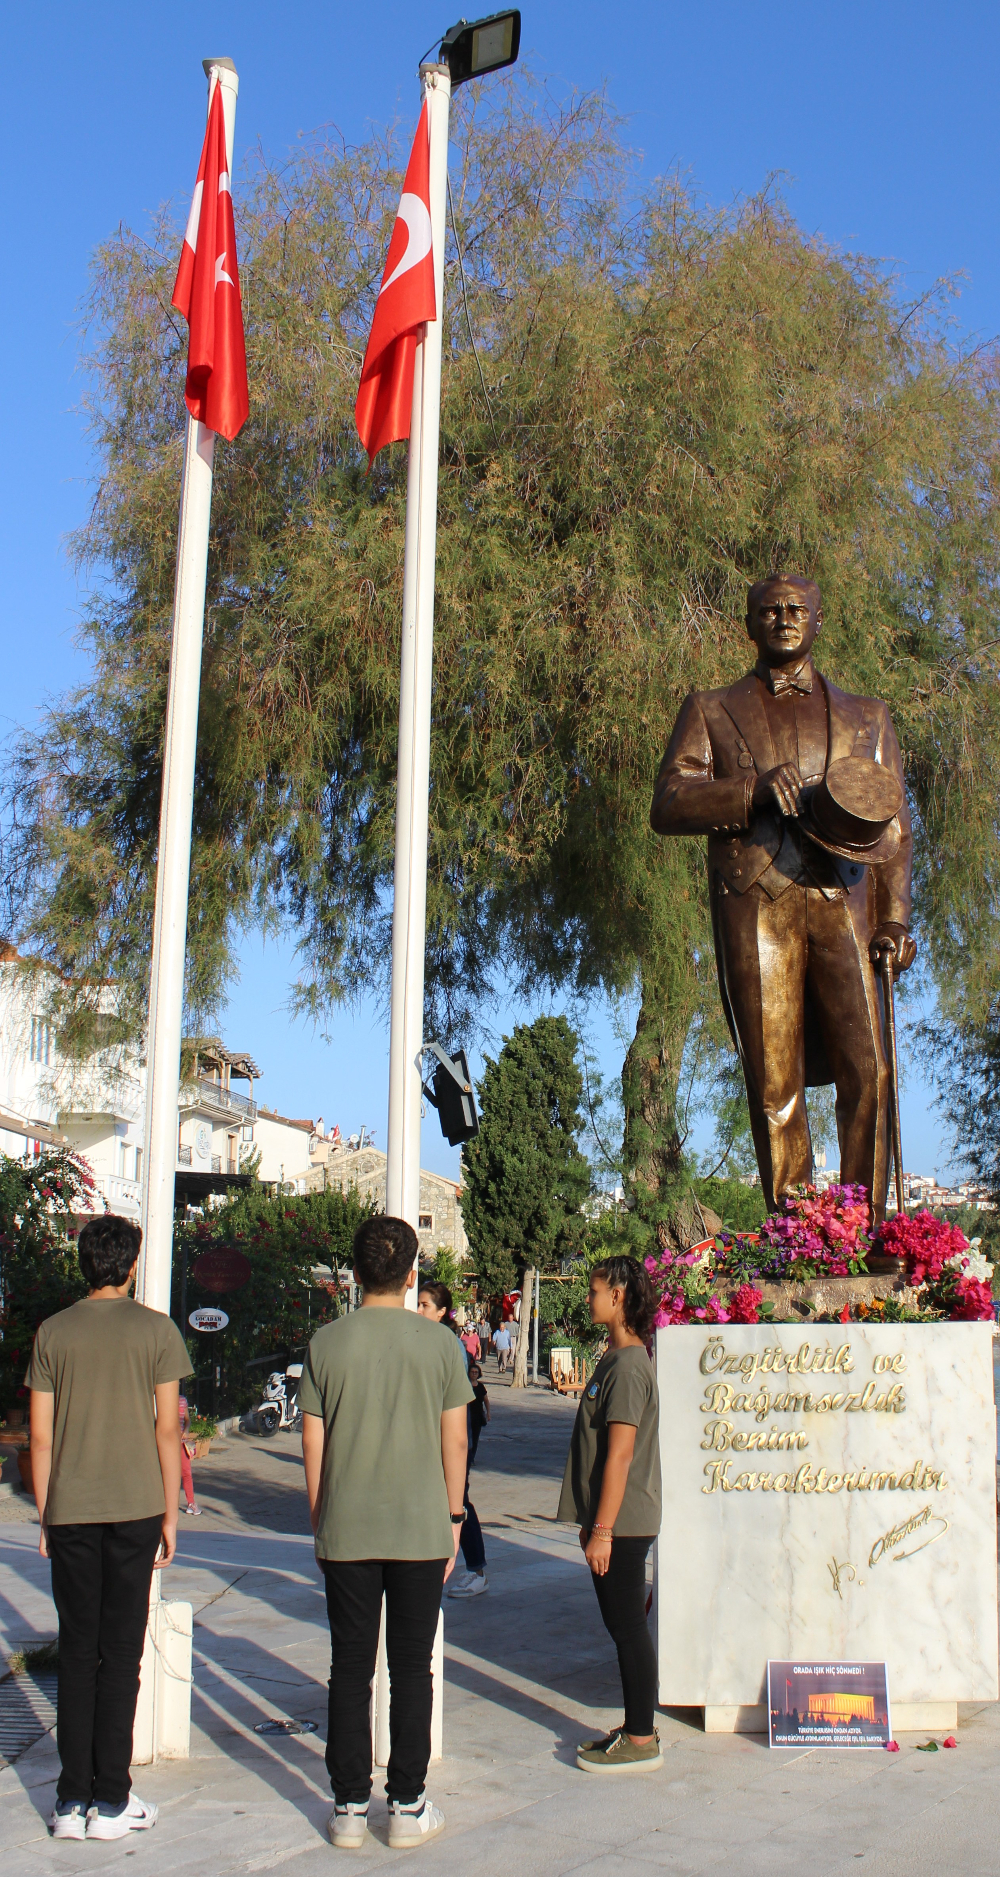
(123, 1196)
(212, 1098)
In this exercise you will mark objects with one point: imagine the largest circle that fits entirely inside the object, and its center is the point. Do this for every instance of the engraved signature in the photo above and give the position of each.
(844, 1574)
(920, 1522)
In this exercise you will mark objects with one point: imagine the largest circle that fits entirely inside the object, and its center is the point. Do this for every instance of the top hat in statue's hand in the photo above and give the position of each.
(853, 811)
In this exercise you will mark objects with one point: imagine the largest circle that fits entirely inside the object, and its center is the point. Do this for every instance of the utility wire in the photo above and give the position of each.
(468, 315)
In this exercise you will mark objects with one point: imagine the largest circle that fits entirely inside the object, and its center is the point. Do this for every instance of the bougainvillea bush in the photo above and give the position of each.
(818, 1234)
(40, 1201)
(953, 1278)
(824, 1234)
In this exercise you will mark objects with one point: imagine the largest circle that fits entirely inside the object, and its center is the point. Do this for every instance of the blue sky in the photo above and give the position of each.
(881, 119)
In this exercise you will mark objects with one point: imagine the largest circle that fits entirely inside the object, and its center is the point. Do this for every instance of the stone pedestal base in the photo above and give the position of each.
(935, 1717)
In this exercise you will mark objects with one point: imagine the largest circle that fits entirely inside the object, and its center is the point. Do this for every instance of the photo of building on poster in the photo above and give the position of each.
(828, 1704)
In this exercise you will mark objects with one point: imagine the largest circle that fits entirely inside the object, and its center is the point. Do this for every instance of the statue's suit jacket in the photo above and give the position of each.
(721, 744)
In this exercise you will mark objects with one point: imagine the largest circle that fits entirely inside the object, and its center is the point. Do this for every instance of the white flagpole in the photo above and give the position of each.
(409, 904)
(166, 985)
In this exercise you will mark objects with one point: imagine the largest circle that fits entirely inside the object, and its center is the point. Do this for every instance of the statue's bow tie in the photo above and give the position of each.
(780, 684)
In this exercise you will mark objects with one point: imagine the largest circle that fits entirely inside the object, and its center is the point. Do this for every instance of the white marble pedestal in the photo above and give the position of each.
(829, 1494)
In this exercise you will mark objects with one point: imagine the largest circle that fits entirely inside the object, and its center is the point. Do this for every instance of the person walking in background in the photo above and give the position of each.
(106, 1475)
(502, 1343)
(436, 1302)
(469, 1340)
(611, 1488)
(479, 1410)
(383, 1396)
(193, 1511)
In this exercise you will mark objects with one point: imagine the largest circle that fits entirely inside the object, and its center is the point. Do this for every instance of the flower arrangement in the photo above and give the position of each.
(954, 1277)
(818, 1234)
(824, 1234)
(684, 1280)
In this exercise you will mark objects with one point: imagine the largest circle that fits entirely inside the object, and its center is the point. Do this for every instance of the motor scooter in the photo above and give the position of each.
(279, 1410)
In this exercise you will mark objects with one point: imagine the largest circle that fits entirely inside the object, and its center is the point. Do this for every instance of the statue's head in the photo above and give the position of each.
(784, 614)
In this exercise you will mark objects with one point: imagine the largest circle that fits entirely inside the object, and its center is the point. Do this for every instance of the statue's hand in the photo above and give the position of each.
(892, 935)
(783, 786)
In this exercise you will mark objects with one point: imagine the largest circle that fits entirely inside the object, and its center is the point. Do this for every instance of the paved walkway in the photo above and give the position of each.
(529, 1672)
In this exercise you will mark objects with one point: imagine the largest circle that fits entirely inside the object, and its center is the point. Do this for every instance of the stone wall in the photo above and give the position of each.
(364, 1169)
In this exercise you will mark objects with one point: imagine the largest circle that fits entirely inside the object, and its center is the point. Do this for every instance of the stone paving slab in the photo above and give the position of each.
(529, 1672)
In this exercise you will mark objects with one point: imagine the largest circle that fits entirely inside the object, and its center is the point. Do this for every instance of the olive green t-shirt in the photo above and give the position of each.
(102, 1359)
(381, 1380)
(622, 1388)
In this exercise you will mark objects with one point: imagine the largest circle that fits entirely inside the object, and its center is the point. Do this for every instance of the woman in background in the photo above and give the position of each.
(611, 1489)
(435, 1301)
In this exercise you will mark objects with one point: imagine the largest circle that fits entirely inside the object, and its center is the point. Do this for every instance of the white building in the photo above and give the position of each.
(95, 1104)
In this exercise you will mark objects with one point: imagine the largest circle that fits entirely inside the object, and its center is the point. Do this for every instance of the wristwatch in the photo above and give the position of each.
(459, 1518)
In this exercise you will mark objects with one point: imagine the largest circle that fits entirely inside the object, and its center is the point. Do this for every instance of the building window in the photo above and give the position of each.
(216, 1163)
(426, 1221)
(138, 1163)
(184, 1156)
(41, 1041)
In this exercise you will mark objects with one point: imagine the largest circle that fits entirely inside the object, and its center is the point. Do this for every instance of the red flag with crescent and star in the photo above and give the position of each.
(207, 291)
(405, 303)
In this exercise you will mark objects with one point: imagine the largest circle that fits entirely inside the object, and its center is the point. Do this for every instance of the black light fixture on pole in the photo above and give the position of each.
(473, 48)
(450, 1092)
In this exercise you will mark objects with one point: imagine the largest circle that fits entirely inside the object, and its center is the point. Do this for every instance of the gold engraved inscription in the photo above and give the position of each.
(806, 1360)
(720, 1436)
(883, 1364)
(841, 1574)
(722, 1398)
(807, 1478)
(921, 1523)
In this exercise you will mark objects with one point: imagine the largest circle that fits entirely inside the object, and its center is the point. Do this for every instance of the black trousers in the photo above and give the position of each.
(471, 1542)
(621, 1594)
(354, 1605)
(100, 1587)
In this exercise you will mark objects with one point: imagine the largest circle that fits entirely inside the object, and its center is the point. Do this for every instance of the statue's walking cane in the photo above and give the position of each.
(886, 955)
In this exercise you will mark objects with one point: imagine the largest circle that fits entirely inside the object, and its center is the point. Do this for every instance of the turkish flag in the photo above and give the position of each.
(405, 303)
(207, 291)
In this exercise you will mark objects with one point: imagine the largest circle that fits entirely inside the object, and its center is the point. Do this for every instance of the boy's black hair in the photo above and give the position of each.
(474, 1369)
(107, 1249)
(385, 1252)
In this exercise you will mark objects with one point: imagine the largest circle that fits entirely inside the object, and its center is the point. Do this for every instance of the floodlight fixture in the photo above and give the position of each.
(473, 48)
(450, 1092)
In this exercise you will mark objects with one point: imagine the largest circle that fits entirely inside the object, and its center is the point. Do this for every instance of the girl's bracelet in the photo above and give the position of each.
(602, 1531)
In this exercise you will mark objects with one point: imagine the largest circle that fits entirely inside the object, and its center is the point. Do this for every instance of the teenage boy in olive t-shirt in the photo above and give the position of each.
(106, 1473)
(384, 1395)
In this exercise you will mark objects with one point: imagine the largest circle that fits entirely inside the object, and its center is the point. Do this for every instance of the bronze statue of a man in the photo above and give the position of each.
(799, 788)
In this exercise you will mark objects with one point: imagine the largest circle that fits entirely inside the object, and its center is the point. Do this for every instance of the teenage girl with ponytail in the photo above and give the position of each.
(611, 1489)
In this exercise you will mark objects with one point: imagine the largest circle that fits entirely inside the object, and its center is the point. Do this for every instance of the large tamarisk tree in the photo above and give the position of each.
(666, 402)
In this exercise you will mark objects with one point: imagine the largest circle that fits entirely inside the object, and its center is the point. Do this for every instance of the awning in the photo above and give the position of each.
(190, 1189)
(32, 1130)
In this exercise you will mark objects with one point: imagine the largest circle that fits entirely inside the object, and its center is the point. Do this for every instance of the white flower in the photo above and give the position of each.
(974, 1266)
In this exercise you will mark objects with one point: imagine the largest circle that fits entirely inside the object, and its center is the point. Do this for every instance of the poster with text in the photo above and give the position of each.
(828, 1704)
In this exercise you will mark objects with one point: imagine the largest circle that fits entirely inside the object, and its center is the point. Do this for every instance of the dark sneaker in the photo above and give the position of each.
(616, 1753)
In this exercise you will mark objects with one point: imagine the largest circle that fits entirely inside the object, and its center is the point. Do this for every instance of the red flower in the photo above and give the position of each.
(744, 1304)
(973, 1301)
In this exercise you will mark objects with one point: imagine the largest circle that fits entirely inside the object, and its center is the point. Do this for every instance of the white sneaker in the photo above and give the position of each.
(137, 1816)
(69, 1820)
(347, 1825)
(470, 1584)
(413, 1825)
